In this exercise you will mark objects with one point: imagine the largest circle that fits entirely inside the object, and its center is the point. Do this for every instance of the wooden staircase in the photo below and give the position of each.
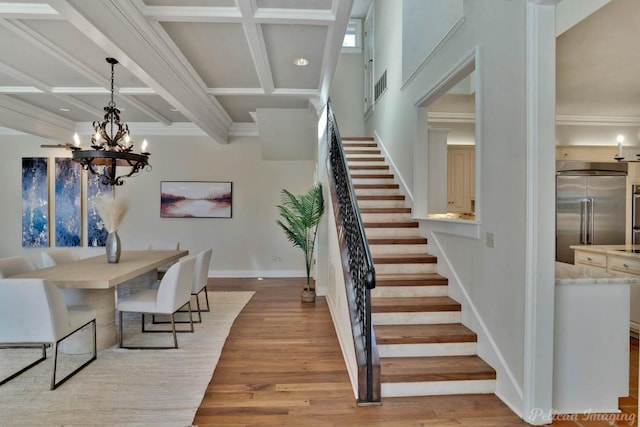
(424, 348)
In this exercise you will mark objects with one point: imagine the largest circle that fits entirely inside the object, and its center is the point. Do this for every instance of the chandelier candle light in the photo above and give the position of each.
(111, 146)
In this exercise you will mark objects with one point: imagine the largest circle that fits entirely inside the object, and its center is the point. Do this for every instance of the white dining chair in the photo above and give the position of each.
(162, 245)
(173, 293)
(33, 312)
(200, 278)
(54, 257)
(11, 266)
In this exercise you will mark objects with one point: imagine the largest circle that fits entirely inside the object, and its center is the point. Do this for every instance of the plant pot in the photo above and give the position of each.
(308, 295)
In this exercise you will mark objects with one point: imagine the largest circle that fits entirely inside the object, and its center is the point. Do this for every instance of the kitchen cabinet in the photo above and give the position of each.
(613, 259)
(591, 306)
(461, 180)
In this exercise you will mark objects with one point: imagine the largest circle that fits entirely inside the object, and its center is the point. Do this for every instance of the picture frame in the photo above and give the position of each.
(196, 199)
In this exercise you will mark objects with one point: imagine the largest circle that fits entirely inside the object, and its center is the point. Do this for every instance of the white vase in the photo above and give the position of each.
(112, 245)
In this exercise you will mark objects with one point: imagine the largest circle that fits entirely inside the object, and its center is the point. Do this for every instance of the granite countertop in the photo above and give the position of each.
(574, 274)
(629, 251)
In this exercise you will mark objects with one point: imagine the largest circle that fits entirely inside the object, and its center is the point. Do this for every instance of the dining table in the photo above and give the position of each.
(96, 283)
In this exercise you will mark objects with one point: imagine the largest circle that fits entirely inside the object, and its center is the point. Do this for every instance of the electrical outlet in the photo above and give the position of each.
(490, 240)
(276, 258)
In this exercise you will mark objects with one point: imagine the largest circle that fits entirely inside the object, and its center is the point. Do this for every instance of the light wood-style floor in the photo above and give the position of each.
(282, 366)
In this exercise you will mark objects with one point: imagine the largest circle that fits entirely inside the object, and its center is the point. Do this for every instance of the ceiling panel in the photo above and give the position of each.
(294, 4)
(37, 63)
(285, 43)
(130, 113)
(197, 3)
(9, 81)
(158, 104)
(239, 107)
(70, 39)
(218, 52)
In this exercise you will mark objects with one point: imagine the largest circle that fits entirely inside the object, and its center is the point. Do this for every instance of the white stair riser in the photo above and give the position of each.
(428, 350)
(386, 217)
(398, 249)
(368, 163)
(369, 153)
(409, 291)
(437, 388)
(376, 191)
(356, 180)
(406, 268)
(381, 204)
(416, 318)
(379, 232)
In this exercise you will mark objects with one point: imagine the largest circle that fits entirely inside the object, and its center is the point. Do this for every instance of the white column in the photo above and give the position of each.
(540, 233)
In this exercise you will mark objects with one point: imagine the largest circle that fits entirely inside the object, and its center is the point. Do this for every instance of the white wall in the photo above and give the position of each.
(287, 133)
(243, 246)
(492, 278)
(347, 94)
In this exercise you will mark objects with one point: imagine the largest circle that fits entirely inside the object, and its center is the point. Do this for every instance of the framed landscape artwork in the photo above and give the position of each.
(195, 199)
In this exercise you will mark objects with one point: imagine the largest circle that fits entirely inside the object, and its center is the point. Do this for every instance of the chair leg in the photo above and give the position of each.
(206, 297)
(173, 330)
(26, 368)
(173, 327)
(55, 384)
(120, 316)
(180, 310)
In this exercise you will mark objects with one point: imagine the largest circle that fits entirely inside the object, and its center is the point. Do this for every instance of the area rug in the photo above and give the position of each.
(124, 387)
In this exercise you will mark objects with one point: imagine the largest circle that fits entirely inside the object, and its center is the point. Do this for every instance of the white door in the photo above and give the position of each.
(368, 62)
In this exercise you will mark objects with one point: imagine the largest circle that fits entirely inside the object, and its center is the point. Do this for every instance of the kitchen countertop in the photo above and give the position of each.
(619, 250)
(573, 274)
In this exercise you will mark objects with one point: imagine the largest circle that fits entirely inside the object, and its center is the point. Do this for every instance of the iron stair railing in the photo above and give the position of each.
(357, 265)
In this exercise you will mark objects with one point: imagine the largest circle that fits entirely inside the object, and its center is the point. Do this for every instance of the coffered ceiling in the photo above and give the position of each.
(207, 62)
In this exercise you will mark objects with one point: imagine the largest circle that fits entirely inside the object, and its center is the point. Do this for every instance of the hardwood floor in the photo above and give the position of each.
(282, 366)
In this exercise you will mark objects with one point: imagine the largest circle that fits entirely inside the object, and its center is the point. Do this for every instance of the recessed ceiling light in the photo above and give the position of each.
(301, 62)
(64, 109)
(174, 109)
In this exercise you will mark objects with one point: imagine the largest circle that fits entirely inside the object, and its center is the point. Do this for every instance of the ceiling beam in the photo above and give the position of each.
(119, 27)
(24, 117)
(255, 39)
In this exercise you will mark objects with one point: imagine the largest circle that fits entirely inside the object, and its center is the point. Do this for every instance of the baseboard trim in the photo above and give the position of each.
(257, 273)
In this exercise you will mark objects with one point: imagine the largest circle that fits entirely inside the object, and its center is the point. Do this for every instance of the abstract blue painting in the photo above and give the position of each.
(96, 231)
(35, 202)
(68, 207)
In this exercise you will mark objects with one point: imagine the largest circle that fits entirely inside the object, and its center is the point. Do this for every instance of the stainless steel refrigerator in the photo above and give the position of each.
(590, 210)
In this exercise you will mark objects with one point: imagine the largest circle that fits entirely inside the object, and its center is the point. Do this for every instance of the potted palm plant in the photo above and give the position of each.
(300, 218)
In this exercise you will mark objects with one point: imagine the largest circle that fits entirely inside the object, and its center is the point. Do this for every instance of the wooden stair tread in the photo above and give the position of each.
(404, 259)
(356, 150)
(390, 224)
(424, 334)
(438, 368)
(413, 304)
(373, 167)
(397, 240)
(410, 279)
(380, 197)
(372, 176)
(357, 138)
(365, 159)
(385, 210)
(375, 186)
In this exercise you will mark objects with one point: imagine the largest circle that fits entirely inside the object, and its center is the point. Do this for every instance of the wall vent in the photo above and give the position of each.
(381, 86)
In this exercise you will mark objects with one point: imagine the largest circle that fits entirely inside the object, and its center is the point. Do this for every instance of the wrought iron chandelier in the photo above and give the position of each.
(111, 147)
